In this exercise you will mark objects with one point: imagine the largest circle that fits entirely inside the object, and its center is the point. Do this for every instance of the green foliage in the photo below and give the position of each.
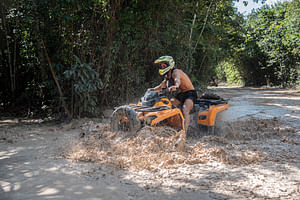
(86, 82)
(271, 48)
(116, 42)
(227, 71)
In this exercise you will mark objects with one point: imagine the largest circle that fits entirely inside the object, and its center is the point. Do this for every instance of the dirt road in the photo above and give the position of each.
(255, 154)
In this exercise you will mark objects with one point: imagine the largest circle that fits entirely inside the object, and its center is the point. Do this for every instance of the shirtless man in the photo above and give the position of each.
(177, 79)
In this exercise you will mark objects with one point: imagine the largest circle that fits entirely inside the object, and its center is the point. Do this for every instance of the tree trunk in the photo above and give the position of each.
(205, 21)
(39, 45)
(10, 64)
(190, 40)
(57, 83)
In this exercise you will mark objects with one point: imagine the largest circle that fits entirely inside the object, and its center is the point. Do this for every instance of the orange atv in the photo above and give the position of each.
(156, 108)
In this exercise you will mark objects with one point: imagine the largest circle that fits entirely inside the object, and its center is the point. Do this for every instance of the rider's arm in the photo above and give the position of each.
(176, 77)
(160, 86)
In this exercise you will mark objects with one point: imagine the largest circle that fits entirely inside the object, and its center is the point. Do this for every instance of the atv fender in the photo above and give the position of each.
(208, 117)
(173, 116)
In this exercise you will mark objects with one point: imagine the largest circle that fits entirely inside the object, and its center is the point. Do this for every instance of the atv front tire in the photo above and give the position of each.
(125, 119)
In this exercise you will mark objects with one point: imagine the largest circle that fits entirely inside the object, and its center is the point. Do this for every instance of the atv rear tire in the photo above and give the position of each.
(125, 119)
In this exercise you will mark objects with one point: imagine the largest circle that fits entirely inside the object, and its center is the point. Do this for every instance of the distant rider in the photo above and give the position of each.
(176, 79)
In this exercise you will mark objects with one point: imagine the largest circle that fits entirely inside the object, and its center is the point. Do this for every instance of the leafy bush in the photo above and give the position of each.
(85, 82)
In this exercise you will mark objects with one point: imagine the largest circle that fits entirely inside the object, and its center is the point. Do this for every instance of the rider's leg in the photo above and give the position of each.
(187, 107)
(175, 102)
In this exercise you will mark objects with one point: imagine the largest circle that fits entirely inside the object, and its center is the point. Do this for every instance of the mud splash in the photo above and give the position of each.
(154, 148)
(256, 129)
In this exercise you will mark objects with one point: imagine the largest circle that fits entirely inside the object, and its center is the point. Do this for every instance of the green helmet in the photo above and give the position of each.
(168, 60)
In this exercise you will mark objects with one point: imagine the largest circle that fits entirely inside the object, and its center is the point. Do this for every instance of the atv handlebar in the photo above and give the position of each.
(167, 91)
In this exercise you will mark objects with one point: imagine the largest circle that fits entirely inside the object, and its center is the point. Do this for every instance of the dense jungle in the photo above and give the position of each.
(71, 58)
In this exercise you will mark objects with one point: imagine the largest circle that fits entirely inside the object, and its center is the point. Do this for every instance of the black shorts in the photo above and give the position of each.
(191, 94)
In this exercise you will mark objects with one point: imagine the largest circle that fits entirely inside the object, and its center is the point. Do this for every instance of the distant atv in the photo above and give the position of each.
(156, 108)
(213, 82)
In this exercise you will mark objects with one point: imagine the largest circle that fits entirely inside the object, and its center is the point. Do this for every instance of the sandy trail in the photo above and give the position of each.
(255, 154)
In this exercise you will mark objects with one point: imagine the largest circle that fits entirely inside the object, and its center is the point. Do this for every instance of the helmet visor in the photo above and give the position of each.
(163, 65)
